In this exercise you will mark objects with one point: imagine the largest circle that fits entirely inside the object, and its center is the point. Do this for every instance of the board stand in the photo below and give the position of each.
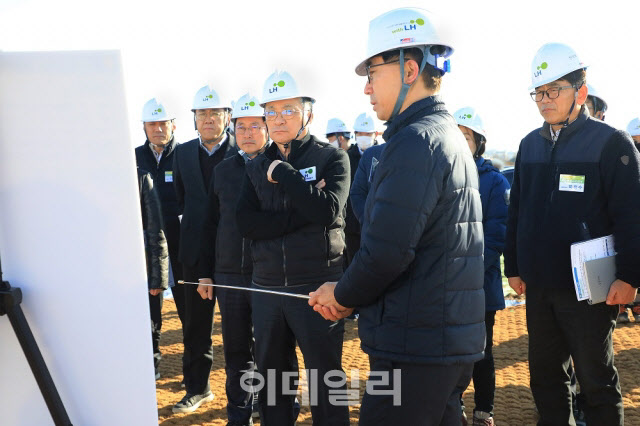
(10, 299)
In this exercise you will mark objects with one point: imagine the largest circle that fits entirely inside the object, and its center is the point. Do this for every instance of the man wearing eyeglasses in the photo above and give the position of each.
(226, 257)
(418, 276)
(576, 178)
(193, 167)
(292, 208)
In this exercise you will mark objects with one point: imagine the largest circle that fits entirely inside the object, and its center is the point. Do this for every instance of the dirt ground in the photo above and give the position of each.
(513, 400)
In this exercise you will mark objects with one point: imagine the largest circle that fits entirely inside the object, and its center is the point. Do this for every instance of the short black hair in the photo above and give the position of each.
(431, 76)
(576, 78)
(481, 142)
(598, 104)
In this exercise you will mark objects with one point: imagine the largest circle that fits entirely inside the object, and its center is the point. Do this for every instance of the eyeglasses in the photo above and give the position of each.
(395, 61)
(243, 130)
(203, 114)
(287, 114)
(552, 93)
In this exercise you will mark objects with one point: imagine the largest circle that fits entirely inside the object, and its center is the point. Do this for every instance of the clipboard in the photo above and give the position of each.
(593, 265)
(600, 274)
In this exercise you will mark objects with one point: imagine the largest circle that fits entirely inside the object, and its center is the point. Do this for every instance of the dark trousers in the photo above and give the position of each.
(353, 245)
(279, 322)
(560, 328)
(155, 307)
(484, 371)
(197, 330)
(426, 395)
(237, 336)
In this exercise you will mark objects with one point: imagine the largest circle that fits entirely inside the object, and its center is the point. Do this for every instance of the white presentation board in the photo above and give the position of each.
(71, 239)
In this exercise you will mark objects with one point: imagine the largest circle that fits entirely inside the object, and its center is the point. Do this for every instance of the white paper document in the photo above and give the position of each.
(584, 251)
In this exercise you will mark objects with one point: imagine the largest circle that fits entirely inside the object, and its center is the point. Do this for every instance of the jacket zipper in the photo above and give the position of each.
(284, 255)
(242, 261)
(554, 170)
(326, 241)
(284, 262)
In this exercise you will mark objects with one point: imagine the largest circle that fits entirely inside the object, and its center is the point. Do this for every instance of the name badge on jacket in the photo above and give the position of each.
(571, 183)
(309, 173)
(168, 176)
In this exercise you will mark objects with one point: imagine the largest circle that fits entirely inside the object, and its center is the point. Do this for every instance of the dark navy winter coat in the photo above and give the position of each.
(494, 192)
(547, 216)
(418, 275)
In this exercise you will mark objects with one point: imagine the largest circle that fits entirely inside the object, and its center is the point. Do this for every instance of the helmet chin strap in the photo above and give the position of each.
(304, 125)
(405, 86)
(565, 122)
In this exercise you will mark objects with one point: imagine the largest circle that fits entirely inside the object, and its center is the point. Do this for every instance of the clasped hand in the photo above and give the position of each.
(323, 301)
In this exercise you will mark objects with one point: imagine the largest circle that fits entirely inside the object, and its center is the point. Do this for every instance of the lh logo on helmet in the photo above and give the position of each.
(411, 25)
(276, 85)
(247, 105)
(542, 66)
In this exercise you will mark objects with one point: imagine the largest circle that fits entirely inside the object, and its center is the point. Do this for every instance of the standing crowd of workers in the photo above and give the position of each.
(405, 236)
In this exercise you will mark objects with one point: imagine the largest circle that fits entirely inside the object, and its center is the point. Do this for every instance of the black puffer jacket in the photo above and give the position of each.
(155, 244)
(225, 255)
(418, 275)
(545, 219)
(297, 229)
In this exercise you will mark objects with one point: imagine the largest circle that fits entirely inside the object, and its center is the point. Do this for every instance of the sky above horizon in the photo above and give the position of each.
(169, 50)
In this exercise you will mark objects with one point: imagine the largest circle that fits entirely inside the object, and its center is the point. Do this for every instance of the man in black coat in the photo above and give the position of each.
(292, 208)
(193, 167)
(225, 257)
(418, 276)
(576, 178)
(156, 157)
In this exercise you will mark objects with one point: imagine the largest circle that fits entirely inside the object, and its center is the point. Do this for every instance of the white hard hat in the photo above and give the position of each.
(280, 85)
(592, 92)
(405, 28)
(155, 111)
(468, 117)
(634, 127)
(364, 123)
(206, 98)
(553, 61)
(335, 125)
(247, 106)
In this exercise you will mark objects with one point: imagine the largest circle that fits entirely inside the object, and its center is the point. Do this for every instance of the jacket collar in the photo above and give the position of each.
(243, 158)
(355, 150)
(298, 147)
(485, 165)
(545, 130)
(168, 149)
(428, 105)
